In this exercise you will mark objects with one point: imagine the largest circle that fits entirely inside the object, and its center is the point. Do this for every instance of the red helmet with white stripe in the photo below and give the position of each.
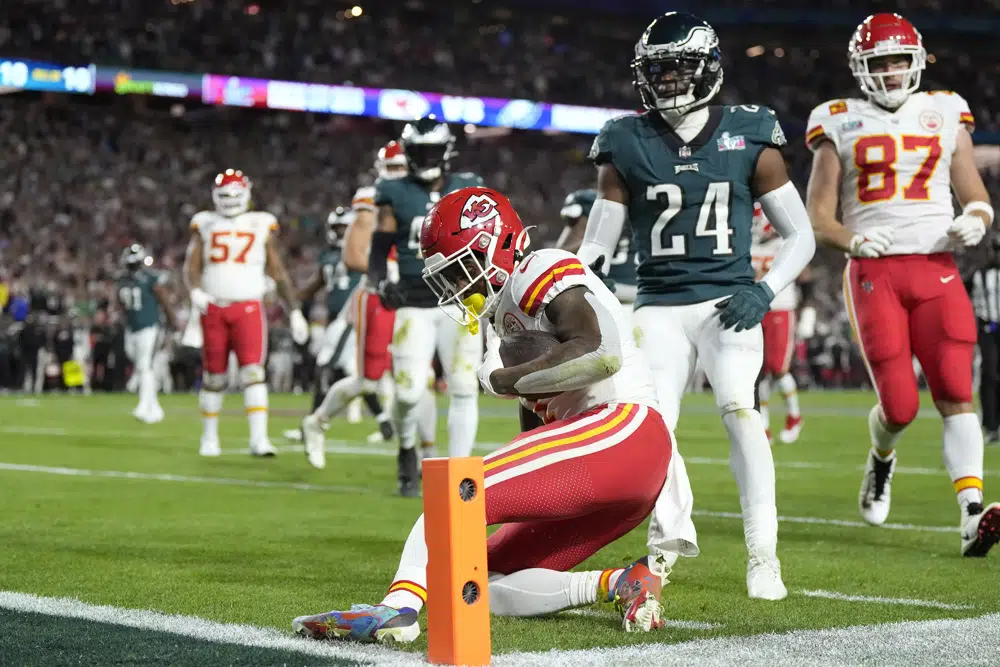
(391, 162)
(887, 55)
(471, 241)
(231, 193)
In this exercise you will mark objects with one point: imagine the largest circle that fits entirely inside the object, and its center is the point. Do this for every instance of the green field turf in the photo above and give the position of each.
(249, 541)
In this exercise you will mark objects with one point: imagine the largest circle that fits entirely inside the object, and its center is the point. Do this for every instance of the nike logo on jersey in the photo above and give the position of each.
(948, 279)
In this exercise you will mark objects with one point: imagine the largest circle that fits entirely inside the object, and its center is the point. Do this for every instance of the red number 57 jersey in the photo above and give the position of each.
(895, 165)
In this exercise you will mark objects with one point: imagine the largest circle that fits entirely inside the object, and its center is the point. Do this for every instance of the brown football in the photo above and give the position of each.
(523, 346)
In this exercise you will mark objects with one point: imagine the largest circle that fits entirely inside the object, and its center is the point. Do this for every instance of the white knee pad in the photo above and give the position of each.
(463, 384)
(214, 381)
(250, 375)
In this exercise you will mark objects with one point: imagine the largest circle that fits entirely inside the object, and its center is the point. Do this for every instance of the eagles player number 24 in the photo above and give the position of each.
(716, 199)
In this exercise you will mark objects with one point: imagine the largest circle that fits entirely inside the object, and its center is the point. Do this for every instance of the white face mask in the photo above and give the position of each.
(892, 87)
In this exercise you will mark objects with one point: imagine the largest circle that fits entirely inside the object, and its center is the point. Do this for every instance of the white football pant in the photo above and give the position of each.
(417, 334)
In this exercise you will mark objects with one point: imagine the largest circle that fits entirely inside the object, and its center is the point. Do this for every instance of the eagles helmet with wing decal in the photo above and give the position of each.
(134, 257)
(678, 64)
(428, 145)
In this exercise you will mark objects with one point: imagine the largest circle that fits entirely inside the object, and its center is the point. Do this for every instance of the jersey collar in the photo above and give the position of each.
(674, 141)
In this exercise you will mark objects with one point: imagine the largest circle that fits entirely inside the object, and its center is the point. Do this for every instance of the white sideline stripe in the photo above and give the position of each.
(833, 595)
(833, 522)
(304, 486)
(969, 641)
(680, 625)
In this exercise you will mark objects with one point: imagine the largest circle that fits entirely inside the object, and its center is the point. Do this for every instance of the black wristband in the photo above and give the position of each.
(378, 256)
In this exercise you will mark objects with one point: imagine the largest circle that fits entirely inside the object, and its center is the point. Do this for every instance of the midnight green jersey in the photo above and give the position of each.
(411, 200)
(340, 282)
(691, 204)
(623, 261)
(135, 293)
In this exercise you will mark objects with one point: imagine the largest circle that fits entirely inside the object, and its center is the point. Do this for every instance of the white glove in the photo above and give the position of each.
(873, 243)
(200, 299)
(491, 361)
(300, 328)
(967, 229)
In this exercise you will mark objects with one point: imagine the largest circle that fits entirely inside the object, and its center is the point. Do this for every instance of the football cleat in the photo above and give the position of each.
(637, 597)
(764, 579)
(980, 529)
(793, 427)
(312, 434)
(992, 438)
(264, 448)
(876, 486)
(408, 472)
(209, 447)
(293, 434)
(363, 623)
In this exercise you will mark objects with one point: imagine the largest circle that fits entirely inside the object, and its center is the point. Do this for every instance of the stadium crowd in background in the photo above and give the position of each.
(80, 178)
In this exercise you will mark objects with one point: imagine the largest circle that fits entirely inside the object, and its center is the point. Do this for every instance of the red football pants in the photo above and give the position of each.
(907, 305)
(239, 327)
(565, 490)
(779, 341)
(374, 334)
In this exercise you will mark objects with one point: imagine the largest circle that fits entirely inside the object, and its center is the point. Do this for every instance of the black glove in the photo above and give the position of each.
(745, 309)
(597, 267)
(391, 295)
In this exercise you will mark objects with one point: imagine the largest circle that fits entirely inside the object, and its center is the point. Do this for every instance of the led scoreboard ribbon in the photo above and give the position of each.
(46, 77)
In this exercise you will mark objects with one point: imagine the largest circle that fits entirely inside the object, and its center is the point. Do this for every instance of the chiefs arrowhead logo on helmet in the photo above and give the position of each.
(478, 210)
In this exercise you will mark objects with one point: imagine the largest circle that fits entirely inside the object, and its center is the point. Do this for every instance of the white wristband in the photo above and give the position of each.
(979, 206)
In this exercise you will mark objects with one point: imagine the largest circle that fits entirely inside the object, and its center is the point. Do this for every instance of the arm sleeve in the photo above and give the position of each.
(604, 227)
(378, 257)
(784, 209)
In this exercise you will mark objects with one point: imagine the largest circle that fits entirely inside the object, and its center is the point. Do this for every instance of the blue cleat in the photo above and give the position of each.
(636, 595)
(363, 623)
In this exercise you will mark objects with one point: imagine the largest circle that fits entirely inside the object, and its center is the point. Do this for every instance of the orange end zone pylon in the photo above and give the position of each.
(458, 604)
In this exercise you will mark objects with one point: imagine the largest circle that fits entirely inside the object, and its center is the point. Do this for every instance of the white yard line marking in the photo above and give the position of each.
(833, 595)
(304, 486)
(191, 479)
(680, 625)
(832, 522)
(969, 641)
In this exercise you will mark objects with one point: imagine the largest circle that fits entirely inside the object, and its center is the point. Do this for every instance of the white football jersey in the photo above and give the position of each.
(896, 165)
(233, 252)
(538, 279)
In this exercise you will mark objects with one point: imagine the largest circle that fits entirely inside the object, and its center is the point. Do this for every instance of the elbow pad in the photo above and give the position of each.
(378, 256)
(585, 370)
(604, 228)
(784, 209)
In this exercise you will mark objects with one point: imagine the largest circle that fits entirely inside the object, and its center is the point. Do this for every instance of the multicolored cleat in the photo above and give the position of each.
(637, 596)
(363, 623)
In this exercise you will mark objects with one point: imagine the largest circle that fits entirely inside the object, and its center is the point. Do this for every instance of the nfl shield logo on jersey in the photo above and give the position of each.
(867, 286)
(684, 151)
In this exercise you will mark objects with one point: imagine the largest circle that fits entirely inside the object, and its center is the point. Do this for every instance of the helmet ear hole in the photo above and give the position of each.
(507, 242)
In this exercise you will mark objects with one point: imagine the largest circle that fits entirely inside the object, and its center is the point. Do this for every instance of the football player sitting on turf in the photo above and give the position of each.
(596, 431)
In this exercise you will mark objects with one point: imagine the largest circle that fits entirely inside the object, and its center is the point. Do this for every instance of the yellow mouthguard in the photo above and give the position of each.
(475, 303)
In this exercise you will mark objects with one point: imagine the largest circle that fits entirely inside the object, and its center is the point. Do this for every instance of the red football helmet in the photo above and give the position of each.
(471, 241)
(391, 162)
(882, 35)
(231, 193)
